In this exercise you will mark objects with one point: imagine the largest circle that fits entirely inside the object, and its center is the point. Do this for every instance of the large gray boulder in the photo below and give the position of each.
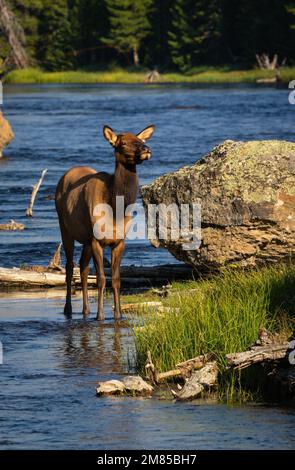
(247, 195)
(6, 134)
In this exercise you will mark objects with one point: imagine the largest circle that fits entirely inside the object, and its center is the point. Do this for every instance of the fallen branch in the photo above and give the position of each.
(194, 363)
(55, 262)
(12, 226)
(200, 381)
(183, 369)
(36, 188)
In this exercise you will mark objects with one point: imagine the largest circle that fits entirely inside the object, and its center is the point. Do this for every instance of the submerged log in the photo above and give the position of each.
(12, 226)
(200, 381)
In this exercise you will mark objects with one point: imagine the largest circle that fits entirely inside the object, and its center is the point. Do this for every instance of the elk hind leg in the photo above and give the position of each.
(84, 272)
(117, 253)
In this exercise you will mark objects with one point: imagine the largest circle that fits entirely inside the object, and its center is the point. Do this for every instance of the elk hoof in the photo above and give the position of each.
(118, 316)
(85, 311)
(68, 310)
(100, 316)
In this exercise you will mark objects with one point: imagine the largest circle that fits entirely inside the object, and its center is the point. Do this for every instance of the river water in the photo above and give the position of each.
(52, 364)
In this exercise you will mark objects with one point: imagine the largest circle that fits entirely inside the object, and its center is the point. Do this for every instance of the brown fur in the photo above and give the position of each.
(78, 192)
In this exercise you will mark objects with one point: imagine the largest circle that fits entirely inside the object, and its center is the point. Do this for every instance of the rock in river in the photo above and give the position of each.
(6, 134)
(130, 385)
(247, 196)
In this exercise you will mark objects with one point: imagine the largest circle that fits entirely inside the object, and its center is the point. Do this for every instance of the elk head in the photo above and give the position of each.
(130, 149)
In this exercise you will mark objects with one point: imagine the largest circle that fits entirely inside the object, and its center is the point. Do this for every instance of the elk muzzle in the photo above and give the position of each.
(145, 154)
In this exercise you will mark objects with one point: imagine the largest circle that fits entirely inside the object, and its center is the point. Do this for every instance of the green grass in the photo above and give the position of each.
(220, 316)
(197, 75)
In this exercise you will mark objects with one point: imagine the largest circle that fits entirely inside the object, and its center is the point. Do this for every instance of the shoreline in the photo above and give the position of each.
(124, 77)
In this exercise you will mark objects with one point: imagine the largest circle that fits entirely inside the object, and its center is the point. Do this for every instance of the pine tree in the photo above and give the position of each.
(89, 24)
(195, 32)
(156, 48)
(55, 48)
(129, 25)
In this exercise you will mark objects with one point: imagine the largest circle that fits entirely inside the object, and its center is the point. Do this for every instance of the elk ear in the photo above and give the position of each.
(146, 133)
(110, 135)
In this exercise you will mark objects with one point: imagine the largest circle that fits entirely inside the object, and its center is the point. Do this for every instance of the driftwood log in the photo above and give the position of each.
(132, 277)
(21, 277)
(200, 381)
(35, 190)
(265, 353)
(183, 369)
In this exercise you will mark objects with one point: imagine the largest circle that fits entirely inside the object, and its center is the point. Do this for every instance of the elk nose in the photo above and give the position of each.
(145, 153)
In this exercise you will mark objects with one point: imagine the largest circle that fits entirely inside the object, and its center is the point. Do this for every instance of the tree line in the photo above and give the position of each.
(164, 34)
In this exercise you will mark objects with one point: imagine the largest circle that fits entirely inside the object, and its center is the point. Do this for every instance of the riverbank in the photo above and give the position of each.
(219, 316)
(199, 75)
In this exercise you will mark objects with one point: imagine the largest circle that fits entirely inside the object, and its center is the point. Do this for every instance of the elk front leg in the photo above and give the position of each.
(117, 253)
(84, 271)
(97, 253)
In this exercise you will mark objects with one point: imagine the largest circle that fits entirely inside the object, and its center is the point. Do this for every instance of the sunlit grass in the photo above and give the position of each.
(219, 316)
(118, 75)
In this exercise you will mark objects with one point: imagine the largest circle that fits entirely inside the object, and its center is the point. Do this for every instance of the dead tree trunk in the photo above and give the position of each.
(15, 35)
(135, 56)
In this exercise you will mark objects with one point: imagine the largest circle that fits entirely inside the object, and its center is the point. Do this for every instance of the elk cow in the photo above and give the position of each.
(78, 193)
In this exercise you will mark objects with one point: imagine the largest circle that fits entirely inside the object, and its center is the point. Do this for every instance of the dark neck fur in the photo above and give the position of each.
(125, 183)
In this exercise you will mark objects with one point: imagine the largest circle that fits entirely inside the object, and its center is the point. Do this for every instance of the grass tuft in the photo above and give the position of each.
(221, 315)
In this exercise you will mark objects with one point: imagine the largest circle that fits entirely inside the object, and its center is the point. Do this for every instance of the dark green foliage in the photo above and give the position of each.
(251, 27)
(56, 39)
(179, 34)
(195, 35)
(129, 25)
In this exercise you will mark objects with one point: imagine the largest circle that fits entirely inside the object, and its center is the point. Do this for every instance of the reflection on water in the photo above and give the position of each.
(87, 344)
(47, 391)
